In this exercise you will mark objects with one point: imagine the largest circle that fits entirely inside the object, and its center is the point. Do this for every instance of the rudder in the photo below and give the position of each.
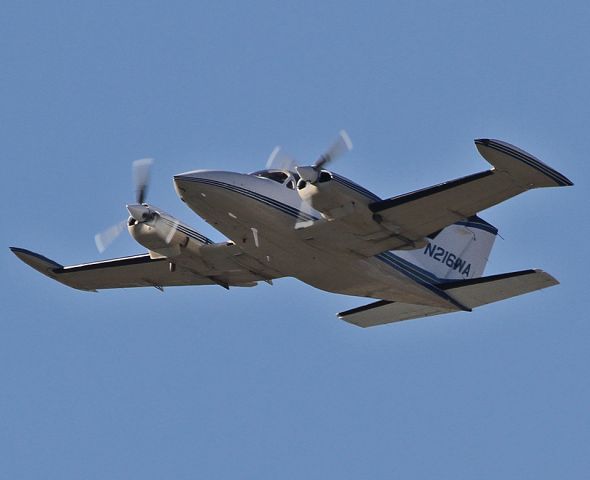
(457, 252)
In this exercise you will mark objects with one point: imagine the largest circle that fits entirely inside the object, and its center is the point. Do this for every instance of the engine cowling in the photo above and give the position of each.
(157, 231)
(331, 197)
(153, 237)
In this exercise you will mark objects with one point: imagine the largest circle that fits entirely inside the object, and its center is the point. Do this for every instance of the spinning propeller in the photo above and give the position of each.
(279, 160)
(311, 173)
(140, 212)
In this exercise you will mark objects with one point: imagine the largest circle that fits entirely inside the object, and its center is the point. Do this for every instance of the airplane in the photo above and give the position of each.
(418, 254)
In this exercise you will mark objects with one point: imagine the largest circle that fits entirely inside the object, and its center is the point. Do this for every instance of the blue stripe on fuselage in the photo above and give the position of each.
(288, 209)
(188, 231)
(356, 187)
(418, 275)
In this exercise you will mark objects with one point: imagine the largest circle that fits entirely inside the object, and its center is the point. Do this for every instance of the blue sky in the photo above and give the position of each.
(266, 382)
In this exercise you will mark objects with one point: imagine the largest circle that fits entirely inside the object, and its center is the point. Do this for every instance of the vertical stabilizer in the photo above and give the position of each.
(458, 252)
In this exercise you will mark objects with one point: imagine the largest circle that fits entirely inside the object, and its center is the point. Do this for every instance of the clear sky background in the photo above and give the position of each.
(266, 382)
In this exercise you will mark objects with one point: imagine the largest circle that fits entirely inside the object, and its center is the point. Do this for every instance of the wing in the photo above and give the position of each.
(220, 267)
(405, 220)
(423, 212)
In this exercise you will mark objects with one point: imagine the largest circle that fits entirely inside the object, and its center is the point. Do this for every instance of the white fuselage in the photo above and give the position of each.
(264, 218)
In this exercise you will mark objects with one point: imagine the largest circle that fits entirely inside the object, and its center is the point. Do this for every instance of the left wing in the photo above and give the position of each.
(406, 220)
(418, 214)
(144, 271)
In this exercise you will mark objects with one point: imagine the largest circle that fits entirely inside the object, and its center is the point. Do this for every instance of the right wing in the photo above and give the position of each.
(221, 265)
(471, 293)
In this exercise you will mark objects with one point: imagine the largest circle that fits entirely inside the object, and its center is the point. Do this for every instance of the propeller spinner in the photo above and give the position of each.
(139, 212)
(342, 145)
(279, 160)
(310, 174)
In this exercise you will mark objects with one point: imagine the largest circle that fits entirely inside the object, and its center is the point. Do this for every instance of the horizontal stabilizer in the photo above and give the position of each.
(481, 291)
(471, 293)
(379, 313)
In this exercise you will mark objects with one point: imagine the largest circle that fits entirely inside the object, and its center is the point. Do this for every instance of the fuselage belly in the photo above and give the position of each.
(260, 216)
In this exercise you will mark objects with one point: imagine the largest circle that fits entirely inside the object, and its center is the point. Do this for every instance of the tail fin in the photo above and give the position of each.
(457, 252)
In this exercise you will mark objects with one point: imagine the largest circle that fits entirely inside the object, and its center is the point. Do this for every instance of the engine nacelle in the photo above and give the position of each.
(333, 196)
(154, 239)
(164, 236)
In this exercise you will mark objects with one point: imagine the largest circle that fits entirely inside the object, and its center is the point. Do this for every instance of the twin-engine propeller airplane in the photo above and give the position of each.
(421, 253)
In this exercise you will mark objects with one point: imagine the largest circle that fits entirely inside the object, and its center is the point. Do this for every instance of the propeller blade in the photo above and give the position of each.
(306, 208)
(279, 160)
(141, 177)
(106, 237)
(309, 174)
(168, 228)
(342, 145)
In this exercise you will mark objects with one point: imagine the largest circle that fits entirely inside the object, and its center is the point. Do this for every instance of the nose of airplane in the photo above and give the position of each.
(197, 175)
(184, 183)
(189, 182)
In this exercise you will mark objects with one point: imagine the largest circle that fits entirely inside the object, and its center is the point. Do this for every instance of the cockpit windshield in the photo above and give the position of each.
(276, 175)
(289, 179)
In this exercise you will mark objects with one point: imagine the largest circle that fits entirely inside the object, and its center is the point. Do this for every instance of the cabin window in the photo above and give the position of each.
(288, 179)
(276, 175)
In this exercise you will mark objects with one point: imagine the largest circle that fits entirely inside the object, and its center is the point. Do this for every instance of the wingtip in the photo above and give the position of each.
(556, 179)
(34, 259)
(550, 279)
(44, 265)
